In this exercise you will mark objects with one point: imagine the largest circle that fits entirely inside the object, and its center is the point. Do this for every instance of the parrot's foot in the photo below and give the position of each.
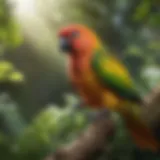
(95, 116)
(104, 113)
(79, 106)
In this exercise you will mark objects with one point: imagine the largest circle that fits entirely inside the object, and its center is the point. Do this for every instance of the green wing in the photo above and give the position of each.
(114, 76)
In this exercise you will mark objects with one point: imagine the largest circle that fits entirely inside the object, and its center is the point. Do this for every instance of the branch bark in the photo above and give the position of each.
(151, 110)
(94, 140)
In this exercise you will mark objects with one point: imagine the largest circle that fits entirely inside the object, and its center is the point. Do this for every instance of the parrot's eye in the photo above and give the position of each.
(75, 34)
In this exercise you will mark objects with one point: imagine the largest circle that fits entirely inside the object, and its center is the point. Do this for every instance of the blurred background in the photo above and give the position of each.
(36, 98)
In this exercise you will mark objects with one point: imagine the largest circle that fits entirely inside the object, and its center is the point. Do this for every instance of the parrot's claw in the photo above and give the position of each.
(102, 114)
(79, 105)
(94, 116)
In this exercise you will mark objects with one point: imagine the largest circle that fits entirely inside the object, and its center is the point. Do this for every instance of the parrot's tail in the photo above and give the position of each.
(141, 133)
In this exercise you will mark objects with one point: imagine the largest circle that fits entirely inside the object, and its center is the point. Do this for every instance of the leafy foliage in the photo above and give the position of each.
(49, 129)
(10, 35)
(128, 27)
(9, 74)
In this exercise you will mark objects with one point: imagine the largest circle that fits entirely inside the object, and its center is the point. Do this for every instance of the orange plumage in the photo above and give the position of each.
(102, 81)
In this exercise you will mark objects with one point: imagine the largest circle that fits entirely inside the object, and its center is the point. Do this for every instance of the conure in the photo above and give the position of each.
(103, 81)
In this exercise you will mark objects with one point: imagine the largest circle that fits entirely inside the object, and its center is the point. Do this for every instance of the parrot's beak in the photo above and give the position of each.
(65, 46)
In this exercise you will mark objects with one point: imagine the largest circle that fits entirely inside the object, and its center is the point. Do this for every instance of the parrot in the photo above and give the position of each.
(102, 81)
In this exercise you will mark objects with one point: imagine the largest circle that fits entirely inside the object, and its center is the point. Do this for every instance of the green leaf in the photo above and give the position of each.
(142, 10)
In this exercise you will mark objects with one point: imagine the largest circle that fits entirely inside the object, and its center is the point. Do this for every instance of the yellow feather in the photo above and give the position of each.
(112, 65)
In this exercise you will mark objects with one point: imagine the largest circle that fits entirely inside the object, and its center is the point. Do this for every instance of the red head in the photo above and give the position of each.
(77, 39)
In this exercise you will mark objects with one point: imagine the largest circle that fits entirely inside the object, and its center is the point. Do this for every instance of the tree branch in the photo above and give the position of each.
(94, 140)
(151, 110)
